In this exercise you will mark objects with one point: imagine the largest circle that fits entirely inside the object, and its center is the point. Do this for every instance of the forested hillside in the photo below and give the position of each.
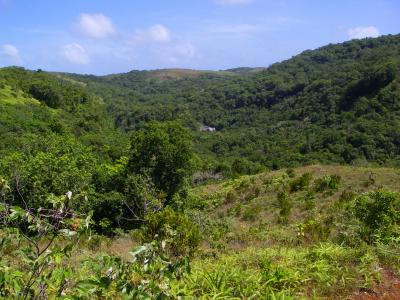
(336, 104)
(36, 105)
(142, 185)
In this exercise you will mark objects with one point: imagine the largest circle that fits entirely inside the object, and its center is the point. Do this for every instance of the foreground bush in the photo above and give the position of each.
(379, 213)
(168, 223)
(37, 246)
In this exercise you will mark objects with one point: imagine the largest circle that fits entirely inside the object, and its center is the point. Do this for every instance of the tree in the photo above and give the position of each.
(47, 94)
(51, 165)
(163, 151)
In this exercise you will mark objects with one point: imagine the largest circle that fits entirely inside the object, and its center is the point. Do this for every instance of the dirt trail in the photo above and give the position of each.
(389, 289)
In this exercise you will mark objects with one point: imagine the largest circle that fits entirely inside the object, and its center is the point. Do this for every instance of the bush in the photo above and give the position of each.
(327, 183)
(107, 209)
(285, 205)
(53, 165)
(313, 231)
(242, 166)
(224, 169)
(347, 196)
(231, 196)
(300, 183)
(47, 94)
(309, 201)
(141, 197)
(250, 213)
(276, 277)
(379, 212)
(291, 173)
(184, 236)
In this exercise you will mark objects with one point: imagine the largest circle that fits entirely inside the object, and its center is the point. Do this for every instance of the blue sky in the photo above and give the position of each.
(101, 37)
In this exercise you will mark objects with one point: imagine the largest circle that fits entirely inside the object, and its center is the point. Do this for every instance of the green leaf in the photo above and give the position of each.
(17, 212)
(67, 232)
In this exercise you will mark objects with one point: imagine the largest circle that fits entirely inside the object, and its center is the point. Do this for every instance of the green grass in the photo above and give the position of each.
(324, 270)
(315, 252)
(10, 97)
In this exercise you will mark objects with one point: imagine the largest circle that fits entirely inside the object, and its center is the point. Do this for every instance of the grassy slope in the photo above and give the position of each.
(245, 241)
(247, 251)
(21, 115)
(7, 96)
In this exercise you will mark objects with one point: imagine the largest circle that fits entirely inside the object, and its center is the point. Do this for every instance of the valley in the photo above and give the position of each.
(248, 183)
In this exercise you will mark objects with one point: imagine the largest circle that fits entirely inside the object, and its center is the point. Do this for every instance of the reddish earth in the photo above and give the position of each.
(389, 289)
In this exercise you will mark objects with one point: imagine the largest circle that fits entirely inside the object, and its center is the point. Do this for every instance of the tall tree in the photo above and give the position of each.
(163, 152)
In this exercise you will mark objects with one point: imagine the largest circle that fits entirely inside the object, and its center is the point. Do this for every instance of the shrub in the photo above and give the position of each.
(242, 166)
(54, 165)
(347, 196)
(47, 94)
(244, 183)
(183, 235)
(327, 183)
(250, 213)
(300, 183)
(141, 197)
(231, 196)
(379, 212)
(237, 209)
(291, 173)
(313, 231)
(275, 277)
(309, 201)
(285, 205)
(107, 210)
(38, 267)
(224, 169)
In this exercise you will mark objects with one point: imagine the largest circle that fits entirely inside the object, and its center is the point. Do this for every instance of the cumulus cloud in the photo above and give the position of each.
(10, 54)
(95, 25)
(160, 33)
(157, 33)
(10, 51)
(233, 2)
(363, 32)
(76, 54)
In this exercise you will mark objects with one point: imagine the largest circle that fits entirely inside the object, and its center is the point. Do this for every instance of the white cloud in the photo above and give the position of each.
(11, 51)
(157, 33)
(160, 33)
(363, 32)
(10, 54)
(233, 2)
(95, 25)
(76, 54)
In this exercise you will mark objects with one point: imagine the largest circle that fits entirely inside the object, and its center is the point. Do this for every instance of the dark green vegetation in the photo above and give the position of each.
(337, 104)
(88, 162)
